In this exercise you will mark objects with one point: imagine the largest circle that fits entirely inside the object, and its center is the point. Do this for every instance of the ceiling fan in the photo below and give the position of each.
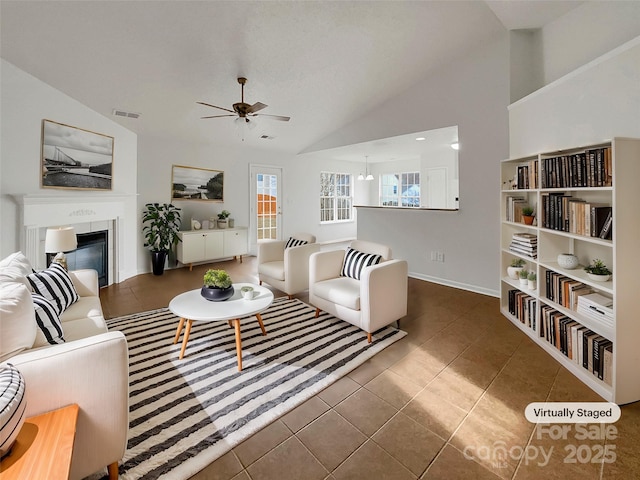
(244, 110)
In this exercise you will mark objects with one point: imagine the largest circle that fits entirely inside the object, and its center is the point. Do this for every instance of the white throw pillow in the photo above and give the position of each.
(17, 320)
(15, 268)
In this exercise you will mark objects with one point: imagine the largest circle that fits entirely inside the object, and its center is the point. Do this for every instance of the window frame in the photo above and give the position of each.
(398, 197)
(336, 199)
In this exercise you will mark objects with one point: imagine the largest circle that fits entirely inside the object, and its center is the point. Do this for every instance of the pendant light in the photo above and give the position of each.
(366, 168)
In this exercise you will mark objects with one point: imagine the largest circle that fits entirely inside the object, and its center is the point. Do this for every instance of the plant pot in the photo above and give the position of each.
(215, 294)
(524, 282)
(598, 278)
(158, 260)
(568, 261)
(528, 219)
(531, 284)
(222, 224)
(514, 272)
(232, 222)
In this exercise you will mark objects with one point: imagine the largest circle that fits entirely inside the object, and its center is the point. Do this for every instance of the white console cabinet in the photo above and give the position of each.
(203, 245)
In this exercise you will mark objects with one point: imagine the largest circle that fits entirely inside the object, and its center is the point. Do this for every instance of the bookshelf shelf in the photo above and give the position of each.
(600, 180)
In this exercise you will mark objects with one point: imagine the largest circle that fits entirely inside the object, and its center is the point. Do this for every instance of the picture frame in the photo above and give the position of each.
(195, 183)
(75, 158)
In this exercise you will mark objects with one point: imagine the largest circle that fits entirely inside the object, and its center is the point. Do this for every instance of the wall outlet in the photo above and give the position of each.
(437, 256)
(441, 257)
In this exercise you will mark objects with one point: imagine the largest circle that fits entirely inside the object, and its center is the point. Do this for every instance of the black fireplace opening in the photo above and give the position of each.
(91, 253)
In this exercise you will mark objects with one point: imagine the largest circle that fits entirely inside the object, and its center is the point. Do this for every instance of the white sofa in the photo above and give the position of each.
(89, 369)
(286, 269)
(376, 299)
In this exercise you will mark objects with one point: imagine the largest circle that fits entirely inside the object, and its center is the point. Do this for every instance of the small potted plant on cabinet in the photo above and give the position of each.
(513, 270)
(598, 271)
(531, 280)
(160, 232)
(217, 286)
(222, 218)
(527, 215)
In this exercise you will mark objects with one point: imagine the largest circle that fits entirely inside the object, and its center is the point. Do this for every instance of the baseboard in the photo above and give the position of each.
(459, 285)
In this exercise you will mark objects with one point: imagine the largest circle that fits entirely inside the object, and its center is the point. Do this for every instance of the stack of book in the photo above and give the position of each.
(524, 244)
(596, 307)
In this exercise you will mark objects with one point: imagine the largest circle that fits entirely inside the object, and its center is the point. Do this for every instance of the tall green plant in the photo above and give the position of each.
(162, 224)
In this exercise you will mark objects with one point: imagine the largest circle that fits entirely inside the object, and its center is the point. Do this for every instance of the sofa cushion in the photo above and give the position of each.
(83, 308)
(355, 261)
(343, 291)
(17, 319)
(272, 269)
(84, 328)
(292, 242)
(55, 285)
(49, 325)
(15, 268)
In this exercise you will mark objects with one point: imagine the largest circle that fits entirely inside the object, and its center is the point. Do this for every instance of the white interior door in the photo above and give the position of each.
(265, 205)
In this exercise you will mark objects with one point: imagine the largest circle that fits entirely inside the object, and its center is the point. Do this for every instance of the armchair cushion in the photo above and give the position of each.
(343, 291)
(49, 325)
(273, 269)
(55, 285)
(355, 261)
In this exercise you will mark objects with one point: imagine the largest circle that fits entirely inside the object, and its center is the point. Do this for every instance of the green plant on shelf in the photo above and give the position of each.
(517, 263)
(527, 211)
(523, 274)
(597, 267)
(532, 276)
(223, 214)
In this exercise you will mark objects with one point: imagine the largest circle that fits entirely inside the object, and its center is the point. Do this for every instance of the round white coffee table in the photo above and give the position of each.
(192, 306)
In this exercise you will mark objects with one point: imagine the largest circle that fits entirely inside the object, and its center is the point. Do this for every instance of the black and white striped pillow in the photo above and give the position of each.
(47, 319)
(55, 285)
(292, 242)
(355, 261)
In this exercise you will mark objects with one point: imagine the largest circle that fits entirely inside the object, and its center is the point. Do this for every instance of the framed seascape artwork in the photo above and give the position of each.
(75, 158)
(191, 183)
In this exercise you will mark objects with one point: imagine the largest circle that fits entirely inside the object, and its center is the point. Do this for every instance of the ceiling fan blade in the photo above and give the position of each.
(214, 106)
(218, 116)
(256, 107)
(275, 117)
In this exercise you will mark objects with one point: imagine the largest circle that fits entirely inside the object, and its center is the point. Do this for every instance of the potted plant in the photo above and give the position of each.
(222, 218)
(217, 286)
(160, 232)
(524, 278)
(598, 271)
(527, 215)
(531, 280)
(513, 270)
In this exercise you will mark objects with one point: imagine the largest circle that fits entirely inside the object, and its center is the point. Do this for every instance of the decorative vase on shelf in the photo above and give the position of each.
(215, 294)
(222, 224)
(598, 278)
(231, 222)
(568, 261)
(514, 272)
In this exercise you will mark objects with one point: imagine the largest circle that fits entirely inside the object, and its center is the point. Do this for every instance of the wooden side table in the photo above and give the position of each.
(44, 446)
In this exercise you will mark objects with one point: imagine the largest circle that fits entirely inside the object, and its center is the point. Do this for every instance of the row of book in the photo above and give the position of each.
(514, 206)
(592, 168)
(527, 176)
(523, 307)
(574, 215)
(563, 290)
(524, 244)
(578, 343)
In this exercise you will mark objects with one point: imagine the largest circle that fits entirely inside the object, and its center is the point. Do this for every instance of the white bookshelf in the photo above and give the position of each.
(621, 255)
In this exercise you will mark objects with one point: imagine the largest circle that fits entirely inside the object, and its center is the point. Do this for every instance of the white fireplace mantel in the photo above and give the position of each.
(41, 211)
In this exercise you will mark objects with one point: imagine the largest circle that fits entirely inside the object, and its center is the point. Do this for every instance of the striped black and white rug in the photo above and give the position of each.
(186, 413)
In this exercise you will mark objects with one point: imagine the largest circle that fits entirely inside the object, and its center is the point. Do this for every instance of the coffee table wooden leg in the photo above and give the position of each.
(186, 338)
(179, 331)
(238, 344)
(259, 317)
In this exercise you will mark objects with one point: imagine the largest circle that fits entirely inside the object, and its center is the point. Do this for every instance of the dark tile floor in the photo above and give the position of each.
(439, 404)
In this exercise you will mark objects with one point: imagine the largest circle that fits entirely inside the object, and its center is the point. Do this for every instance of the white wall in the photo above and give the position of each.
(585, 33)
(26, 101)
(473, 93)
(300, 179)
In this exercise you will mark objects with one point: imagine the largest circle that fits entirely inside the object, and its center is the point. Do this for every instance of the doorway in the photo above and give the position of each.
(265, 205)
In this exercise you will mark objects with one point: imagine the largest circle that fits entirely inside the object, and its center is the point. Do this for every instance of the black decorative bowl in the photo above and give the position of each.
(215, 294)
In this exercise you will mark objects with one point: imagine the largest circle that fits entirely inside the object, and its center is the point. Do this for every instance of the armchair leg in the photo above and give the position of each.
(113, 471)
(317, 312)
(368, 337)
(260, 282)
(290, 297)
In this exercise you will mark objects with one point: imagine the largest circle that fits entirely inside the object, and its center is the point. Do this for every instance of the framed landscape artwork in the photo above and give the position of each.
(75, 158)
(191, 183)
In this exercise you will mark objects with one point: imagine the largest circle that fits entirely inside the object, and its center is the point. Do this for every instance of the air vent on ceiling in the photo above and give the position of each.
(267, 137)
(122, 113)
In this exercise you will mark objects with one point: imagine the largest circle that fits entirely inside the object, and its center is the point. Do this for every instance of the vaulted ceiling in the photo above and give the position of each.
(322, 63)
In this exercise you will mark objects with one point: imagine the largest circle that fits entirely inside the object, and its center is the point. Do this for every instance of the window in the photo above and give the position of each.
(336, 201)
(400, 189)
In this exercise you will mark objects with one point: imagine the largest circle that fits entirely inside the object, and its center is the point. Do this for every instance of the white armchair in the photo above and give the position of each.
(374, 301)
(286, 269)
